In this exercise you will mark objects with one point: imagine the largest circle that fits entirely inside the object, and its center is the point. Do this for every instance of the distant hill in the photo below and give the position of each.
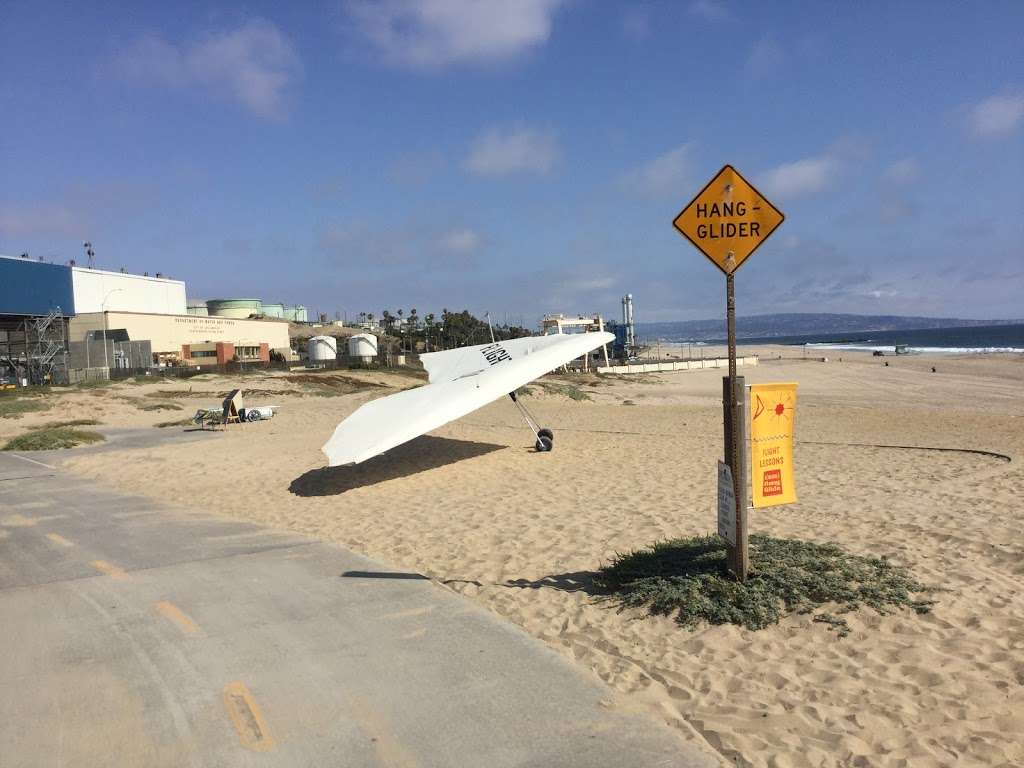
(804, 323)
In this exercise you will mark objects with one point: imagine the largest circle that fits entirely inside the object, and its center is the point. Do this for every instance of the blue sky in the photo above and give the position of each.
(524, 156)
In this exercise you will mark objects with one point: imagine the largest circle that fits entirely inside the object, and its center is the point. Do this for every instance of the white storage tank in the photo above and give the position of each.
(362, 346)
(236, 308)
(321, 348)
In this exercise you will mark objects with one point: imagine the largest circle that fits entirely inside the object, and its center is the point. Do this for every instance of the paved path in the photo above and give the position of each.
(136, 635)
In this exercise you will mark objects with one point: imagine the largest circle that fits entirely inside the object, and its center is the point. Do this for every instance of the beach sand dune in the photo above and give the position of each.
(472, 507)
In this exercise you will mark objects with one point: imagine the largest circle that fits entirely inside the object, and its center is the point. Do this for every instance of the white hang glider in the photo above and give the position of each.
(460, 381)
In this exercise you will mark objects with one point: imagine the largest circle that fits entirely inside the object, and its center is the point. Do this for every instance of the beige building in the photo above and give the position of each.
(170, 333)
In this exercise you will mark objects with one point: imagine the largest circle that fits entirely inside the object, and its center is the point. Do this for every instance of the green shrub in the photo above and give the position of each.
(15, 409)
(178, 423)
(688, 579)
(51, 438)
(566, 390)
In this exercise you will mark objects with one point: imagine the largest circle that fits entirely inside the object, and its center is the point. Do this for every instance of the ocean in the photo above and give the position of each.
(965, 340)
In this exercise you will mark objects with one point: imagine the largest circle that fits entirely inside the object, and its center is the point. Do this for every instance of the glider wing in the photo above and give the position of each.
(461, 380)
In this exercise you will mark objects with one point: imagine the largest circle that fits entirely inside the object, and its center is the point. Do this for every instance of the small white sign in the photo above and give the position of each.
(726, 504)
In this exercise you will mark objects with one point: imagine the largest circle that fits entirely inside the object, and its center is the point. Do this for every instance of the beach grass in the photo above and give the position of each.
(51, 438)
(566, 390)
(70, 423)
(175, 393)
(176, 423)
(329, 385)
(16, 408)
(688, 579)
(22, 392)
(159, 407)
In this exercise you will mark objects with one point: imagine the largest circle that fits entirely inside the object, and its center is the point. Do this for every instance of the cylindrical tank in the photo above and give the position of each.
(273, 310)
(362, 346)
(295, 313)
(197, 308)
(237, 308)
(322, 348)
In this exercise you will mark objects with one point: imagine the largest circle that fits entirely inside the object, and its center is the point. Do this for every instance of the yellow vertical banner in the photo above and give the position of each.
(772, 418)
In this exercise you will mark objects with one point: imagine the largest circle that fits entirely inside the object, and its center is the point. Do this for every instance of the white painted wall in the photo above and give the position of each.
(126, 293)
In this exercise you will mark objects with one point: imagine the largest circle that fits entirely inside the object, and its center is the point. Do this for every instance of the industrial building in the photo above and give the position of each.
(35, 298)
(173, 336)
(97, 318)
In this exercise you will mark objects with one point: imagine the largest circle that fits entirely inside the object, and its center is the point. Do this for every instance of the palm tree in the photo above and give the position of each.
(428, 321)
(413, 328)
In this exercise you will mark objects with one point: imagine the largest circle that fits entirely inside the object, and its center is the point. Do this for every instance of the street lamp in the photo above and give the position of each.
(103, 311)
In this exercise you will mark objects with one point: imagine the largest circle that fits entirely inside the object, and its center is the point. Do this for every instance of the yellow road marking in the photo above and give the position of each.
(245, 715)
(173, 613)
(110, 569)
(56, 538)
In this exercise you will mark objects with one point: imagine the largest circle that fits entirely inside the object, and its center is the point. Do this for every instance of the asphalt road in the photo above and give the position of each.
(135, 634)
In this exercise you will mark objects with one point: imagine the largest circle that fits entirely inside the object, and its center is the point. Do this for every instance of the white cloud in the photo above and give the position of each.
(666, 174)
(998, 115)
(252, 65)
(711, 10)
(460, 242)
(802, 177)
(903, 171)
(435, 33)
(499, 152)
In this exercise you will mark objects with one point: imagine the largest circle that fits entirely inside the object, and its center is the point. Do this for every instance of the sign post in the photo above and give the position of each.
(726, 504)
(733, 410)
(727, 221)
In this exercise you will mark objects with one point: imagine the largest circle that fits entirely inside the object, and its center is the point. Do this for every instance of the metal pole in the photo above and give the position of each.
(106, 363)
(735, 428)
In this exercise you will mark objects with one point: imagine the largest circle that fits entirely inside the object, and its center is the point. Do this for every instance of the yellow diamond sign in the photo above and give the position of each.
(728, 219)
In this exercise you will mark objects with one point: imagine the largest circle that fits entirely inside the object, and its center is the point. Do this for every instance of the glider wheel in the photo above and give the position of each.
(545, 432)
(544, 444)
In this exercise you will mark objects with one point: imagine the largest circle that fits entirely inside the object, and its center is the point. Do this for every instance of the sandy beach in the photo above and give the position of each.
(474, 508)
